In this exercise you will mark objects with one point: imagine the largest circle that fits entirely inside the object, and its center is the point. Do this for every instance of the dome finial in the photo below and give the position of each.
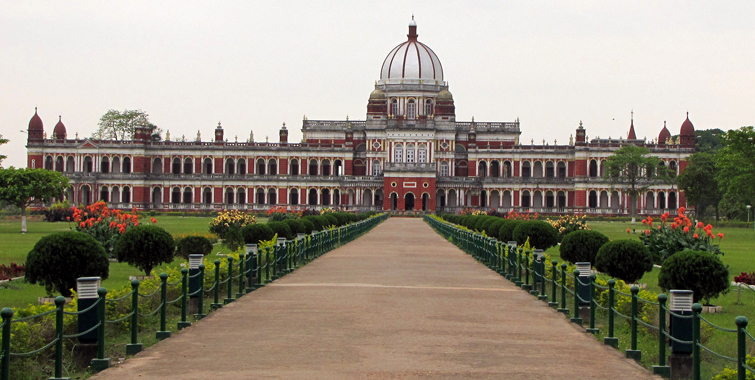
(412, 30)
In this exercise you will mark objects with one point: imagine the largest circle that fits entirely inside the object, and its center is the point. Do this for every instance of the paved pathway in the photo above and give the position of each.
(398, 303)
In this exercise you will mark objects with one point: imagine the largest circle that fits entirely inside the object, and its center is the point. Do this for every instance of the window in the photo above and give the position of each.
(294, 167)
(410, 153)
(241, 196)
(313, 167)
(105, 165)
(127, 165)
(526, 170)
(411, 111)
(87, 164)
(398, 153)
(187, 195)
(207, 166)
(422, 153)
(444, 168)
(229, 167)
(394, 107)
(428, 107)
(376, 168)
(157, 166)
(260, 166)
(242, 166)
(207, 195)
(272, 168)
(229, 196)
(126, 194)
(175, 195)
(325, 167)
(176, 166)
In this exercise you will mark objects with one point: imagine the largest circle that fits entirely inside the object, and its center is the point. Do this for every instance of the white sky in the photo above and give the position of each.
(253, 65)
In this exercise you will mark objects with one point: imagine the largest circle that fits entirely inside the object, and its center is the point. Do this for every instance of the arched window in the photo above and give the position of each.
(207, 166)
(549, 169)
(241, 196)
(495, 169)
(422, 153)
(272, 168)
(428, 107)
(70, 165)
(187, 195)
(337, 168)
(127, 165)
(207, 196)
(116, 194)
(260, 196)
(593, 199)
(188, 166)
(126, 194)
(376, 168)
(48, 163)
(336, 197)
(116, 165)
(526, 169)
(241, 166)
(157, 196)
(561, 169)
(593, 168)
(271, 197)
(398, 153)
(293, 197)
(672, 168)
(104, 194)
(409, 152)
(312, 167)
(175, 195)
(394, 107)
(104, 165)
(294, 167)
(312, 199)
(157, 166)
(87, 164)
(326, 167)
(526, 198)
(229, 166)
(176, 166)
(229, 196)
(482, 169)
(444, 169)
(260, 166)
(325, 195)
(507, 172)
(411, 110)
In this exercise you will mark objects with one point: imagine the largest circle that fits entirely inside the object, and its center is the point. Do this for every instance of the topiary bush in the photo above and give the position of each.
(308, 225)
(493, 228)
(296, 226)
(193, 245)
(324, 222)
(541, 234)
(582, 245)
(58, 259)
(626, 259)
(506, 231)
(332, 220)
(255, 233)
(281, 229)
(481, 222)
(315, 219)
(145, 247)
(699, 271)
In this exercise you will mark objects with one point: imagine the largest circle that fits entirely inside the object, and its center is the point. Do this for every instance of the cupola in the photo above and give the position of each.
(59, 132)
(36, 127)
(411, 61)
(664, 135)
(687, 133)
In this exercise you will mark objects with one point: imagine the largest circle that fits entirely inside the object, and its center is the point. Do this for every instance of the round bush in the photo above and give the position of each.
(493, 228)
(471, 222)
(281, 229)
(332, 220)
(308, 225)
(506, 231)
(481, 221)
(193, 245)
(582, 246)
(257, 232)
(145, 247)
(343, 218)
(699, 271)
(296, 226)
(626, 259)
(314, 220)
(541, 234)
(57, 260)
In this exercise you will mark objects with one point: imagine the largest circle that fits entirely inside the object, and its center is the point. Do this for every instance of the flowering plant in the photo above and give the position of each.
(665, 239)
(746, 278)
(568, 223)
(279, 213)
(227, 220)
(104, 224)
(517, 216)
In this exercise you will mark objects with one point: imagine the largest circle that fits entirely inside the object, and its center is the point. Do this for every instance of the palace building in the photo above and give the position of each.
(410, 153)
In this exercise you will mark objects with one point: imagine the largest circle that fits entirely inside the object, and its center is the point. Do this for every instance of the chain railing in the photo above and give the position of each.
(283, 258)
(518, 266)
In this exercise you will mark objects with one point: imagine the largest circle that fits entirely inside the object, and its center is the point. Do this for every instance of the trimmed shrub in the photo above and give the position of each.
(308, 225)
(471, 222)
(314, 219)
(493, 228)
(582, 245)
(193, 245)
(541, 234)
(481, 221)
(626, 259)
(296, 226)
(332, 220)
(281, 229)
(145, 247)
(343, 218)
(255, 233)
(506, 231)
(58, 259)
(699, 271)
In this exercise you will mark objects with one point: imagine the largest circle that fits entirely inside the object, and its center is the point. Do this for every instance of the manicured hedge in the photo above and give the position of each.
(582, 246)
(541, 234)
(625, 259)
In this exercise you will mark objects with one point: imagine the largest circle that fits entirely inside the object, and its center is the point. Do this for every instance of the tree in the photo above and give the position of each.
(701, 272)
(709, 140)
(699, 183)
(632, 168)
(736, 165)
(21, 187)
(2, 156)
(145, 247)
(116, 125)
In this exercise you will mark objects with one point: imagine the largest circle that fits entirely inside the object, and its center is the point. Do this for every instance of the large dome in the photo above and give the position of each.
(411, 60)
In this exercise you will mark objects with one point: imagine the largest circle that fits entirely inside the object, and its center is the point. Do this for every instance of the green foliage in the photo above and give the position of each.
(281, 229)
(145, 247)
(332, 220)
(541, 234)
(193, 245)
(709, 140)
(699, 271)
(566, 224)
(735, 164)
(21, 187)
(234, 239)
(296, 226)
(257, 233)
(2, 156)
(227, 220)
(309, 226)
(506, 232)
(481, 222)
(731, 374)
(58, 259)
(699, 183)
(627, 260)
(633, 167)
(316, 220)
(493, 228)
(582, 246)
(680, 235)
(116, 125)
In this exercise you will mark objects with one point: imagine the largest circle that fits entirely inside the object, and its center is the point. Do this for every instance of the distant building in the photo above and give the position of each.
(409, 154)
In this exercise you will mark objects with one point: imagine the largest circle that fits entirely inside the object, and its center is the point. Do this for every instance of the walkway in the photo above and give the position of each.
(398, 303)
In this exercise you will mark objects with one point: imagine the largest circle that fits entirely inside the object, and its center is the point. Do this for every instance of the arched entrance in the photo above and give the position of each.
(409, 201)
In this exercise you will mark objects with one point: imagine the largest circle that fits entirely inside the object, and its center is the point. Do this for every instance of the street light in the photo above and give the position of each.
(748, 213)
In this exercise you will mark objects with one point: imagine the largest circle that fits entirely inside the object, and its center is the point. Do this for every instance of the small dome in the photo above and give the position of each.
(412, 60)
(687, 128)
(60, 130)
(35, 124)
(377, 94)
(445, 95)
(664, 135)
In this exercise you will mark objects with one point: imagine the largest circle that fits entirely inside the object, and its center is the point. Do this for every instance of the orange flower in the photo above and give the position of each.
(700, 225)
(695, 236)
(113, 224)
(720, 235)
(686, 230)
(647, 232)
(627, 230)
(154, 221)
(681, 210)
(82, 225)
(674, 226)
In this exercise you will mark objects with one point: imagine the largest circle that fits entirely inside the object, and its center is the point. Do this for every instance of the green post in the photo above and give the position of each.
(611, 340)
(162, 334)
(216, 288)
(60, 301)
(662, 369)
(563, 309)
(593, 306)
(184, 295)
(241, 276)
(7, 315)
(518, 273)
(554, 285)
(250, 260)
(100, 363)
(575, 316)
(200, 297)
(696, 309)
(134, 348)
(267, 266)
(541, 268)
(634, 353)
(741, 347)
(229, 296)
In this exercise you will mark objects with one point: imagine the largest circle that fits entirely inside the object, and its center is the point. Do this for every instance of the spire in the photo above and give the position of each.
(412, 30)
(632, 135)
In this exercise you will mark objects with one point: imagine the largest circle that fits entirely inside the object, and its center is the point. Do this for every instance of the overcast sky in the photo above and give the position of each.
(254, 65)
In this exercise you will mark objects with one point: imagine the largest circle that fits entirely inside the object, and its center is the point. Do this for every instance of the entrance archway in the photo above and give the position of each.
(409, 201)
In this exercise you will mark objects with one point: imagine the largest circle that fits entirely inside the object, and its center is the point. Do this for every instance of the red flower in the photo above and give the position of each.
(113, 224)
(647, 232)
(68, 218)
(686, 230)
(674, 226)
(681, 210)
(720, 235)
(695, 236)
(700, 225)
(627, 230)
(154, 221)
(82, 225)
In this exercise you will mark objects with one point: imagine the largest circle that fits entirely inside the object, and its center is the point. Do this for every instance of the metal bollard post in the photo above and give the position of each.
(575, 315)
(134, 348)
(229, 296)
(200, 301)
(518, 269)
(184, 298)
(634, 353)
(611, 340)
(7, 315)
(101, 362)
(242, 258)
(267, 266)
(662, 369)
(741, 323)
(696, 309)
(593, 304)
(541, 268)
(162, 334)
(60, 301)
(554, 285)
(216, 288)
(563, 309)
(251, 260)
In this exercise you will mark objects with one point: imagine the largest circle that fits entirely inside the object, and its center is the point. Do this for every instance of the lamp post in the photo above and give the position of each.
(748, 213)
